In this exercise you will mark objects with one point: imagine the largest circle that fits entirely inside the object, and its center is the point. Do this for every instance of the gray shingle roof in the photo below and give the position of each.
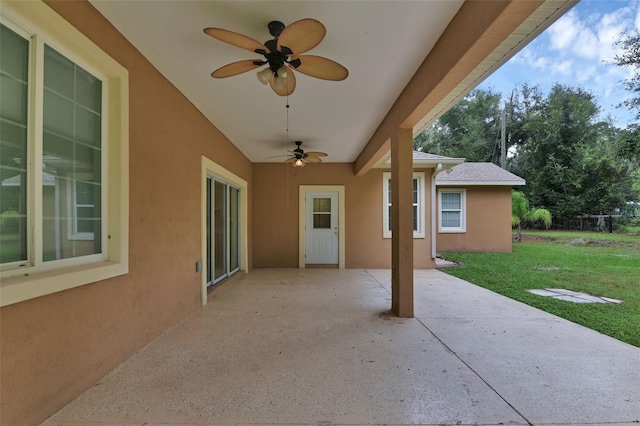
(478, 174)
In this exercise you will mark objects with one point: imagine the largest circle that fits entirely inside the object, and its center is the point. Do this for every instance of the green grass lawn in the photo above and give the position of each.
(600, 264)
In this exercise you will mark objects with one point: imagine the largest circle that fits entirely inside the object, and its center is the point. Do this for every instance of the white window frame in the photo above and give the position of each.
(463, 211)
(72, 206)
(35, 278)
(386, 203)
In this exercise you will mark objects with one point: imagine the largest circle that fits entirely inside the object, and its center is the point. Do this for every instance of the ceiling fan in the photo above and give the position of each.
(282, 54)
(299, 158)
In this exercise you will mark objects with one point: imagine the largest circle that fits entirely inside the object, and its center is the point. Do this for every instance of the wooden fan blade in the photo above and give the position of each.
(319, 67)
(284, 86)
(235, 68)
(302, 35)
(290, 160)
(316, 154)
(312, 159)
(236, 39)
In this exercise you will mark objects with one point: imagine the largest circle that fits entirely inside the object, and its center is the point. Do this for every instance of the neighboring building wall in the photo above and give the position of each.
(56, 346)
(275, 215)
(488, 216)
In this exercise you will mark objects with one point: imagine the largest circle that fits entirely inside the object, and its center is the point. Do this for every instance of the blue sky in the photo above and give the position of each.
(577, 50)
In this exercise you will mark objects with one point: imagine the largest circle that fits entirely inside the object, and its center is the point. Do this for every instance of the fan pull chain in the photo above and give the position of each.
(287, 168)
(287, 120)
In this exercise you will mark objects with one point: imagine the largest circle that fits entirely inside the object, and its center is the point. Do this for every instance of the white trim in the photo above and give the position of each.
(481, 183)
(302, 206)
(434, 249)
(463, 211)
(72, 212)
(209, 168)
(39, 278)
(421, 163)
(421, 204)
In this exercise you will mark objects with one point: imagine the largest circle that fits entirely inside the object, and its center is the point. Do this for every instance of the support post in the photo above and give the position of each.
(503, 139)
(402, 223)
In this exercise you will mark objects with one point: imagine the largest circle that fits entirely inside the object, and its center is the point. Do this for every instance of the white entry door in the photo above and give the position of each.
(321, 235)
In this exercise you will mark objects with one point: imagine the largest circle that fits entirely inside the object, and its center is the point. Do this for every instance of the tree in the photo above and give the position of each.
(630, 57)
(520, 213)
(469, 130)
(558, 134)
(574, 162)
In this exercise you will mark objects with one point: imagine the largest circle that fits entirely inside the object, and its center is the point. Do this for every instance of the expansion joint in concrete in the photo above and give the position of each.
(474, 371)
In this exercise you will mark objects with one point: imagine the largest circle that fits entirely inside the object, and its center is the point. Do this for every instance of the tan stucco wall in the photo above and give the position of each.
(488, 222)
(275, 215)
(54, 347)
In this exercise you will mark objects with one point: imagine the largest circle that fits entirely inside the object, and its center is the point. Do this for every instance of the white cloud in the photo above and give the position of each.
(563, 67)
(593, 36)
(564, 31)
(587, 74)
(609, 29)
(529, 58)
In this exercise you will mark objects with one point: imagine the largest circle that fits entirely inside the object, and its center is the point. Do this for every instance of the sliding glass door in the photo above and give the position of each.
(223, 230)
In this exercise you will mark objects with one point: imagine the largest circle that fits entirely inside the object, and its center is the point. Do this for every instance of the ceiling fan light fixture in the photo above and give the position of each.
(298, 163)
(282, 73)
(280, 84)
(265, 75)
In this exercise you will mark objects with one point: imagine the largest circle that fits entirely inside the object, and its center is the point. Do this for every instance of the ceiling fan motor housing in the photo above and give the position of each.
(275, 28)
(277, 58)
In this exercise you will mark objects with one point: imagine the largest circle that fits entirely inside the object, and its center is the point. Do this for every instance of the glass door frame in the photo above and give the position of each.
(230, 227)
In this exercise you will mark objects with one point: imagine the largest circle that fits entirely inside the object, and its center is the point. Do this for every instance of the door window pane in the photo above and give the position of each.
(220, 235)
(322, 205)
(234, 228)
(321, 221)
(321, 213)
(13, 146)
(71, 160)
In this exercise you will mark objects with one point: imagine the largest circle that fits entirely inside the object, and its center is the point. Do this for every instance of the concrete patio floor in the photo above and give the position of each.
(317, 347)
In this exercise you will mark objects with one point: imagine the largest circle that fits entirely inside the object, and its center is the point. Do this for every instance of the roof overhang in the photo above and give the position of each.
(423, 163)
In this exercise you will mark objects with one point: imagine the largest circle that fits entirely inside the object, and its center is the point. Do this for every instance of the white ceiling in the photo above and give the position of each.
(382, 43)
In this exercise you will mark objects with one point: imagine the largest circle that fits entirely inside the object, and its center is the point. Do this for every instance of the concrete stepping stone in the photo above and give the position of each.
(572, 296)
